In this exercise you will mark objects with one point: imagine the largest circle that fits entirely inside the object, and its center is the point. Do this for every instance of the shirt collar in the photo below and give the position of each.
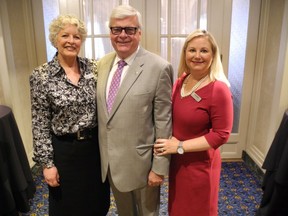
(57, 67)
(129, 59)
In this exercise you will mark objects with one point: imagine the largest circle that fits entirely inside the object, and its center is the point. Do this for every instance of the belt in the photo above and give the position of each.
(84, 134)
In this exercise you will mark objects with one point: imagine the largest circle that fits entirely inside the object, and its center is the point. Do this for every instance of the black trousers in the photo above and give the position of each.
(81, 191)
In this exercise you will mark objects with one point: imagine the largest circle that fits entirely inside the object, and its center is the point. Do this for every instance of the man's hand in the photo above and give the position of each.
(155, 179)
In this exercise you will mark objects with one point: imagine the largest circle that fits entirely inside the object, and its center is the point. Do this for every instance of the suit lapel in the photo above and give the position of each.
(133, 73)
(103, 78)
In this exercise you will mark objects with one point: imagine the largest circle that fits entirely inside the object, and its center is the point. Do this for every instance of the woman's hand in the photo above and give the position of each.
(165, 146)
(51, 176)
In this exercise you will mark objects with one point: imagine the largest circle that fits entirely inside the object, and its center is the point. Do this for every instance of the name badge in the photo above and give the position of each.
(196, 97)
(89, 76)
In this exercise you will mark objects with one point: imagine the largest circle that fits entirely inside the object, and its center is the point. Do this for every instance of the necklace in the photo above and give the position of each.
(192, 91)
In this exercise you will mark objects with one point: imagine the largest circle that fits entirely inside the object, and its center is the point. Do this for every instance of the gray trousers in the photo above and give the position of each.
(140, 202)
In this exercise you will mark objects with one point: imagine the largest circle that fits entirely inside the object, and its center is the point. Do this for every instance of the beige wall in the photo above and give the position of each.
(270, 98)
(17, 61)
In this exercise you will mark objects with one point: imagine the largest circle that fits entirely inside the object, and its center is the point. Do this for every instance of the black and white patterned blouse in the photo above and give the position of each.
(60, 107)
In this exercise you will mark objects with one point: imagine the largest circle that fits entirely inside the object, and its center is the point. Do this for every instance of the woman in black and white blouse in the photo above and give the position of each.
(64, 124)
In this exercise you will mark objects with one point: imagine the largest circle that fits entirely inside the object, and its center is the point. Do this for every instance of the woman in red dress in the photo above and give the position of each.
(202, 122)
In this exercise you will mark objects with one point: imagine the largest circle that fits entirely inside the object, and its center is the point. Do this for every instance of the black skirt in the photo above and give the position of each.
(81, 191)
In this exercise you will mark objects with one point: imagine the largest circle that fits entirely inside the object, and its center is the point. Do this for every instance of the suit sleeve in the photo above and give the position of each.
(163, 116)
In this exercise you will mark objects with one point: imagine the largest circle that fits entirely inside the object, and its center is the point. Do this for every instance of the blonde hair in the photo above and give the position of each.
(60, 22)
(216, 68)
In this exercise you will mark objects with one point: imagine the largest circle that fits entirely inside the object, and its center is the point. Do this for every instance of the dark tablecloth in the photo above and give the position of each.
(275, 182)
(16, 182)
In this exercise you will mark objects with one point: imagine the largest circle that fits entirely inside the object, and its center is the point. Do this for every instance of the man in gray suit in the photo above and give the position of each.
(130, 122)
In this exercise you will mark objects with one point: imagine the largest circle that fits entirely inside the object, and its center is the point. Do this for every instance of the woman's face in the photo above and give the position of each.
(68, 42)
(199, 55)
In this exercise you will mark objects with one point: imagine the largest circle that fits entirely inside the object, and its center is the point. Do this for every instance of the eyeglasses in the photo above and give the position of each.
(128, 30)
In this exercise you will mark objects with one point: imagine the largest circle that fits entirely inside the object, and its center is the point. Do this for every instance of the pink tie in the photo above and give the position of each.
(115, 85)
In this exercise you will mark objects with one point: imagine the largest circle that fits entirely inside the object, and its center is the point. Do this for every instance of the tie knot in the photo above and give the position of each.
(121, 63)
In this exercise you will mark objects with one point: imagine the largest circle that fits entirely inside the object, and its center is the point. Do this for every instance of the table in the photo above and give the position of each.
(16, 182)
(275, 181)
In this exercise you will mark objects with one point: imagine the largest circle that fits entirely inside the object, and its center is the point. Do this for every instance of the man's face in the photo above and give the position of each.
(123, 43)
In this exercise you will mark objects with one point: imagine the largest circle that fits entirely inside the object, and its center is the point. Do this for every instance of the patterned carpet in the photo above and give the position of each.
(240, 193)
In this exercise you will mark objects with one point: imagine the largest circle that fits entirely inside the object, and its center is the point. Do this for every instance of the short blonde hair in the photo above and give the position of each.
(216, 69)
(60, 22)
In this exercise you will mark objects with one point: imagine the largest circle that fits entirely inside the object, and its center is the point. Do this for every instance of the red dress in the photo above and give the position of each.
(194, 177)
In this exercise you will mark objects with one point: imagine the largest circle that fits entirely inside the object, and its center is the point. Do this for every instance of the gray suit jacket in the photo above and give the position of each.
(140, 114)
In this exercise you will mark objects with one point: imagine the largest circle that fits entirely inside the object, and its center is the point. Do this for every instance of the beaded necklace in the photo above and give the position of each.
(192, 91)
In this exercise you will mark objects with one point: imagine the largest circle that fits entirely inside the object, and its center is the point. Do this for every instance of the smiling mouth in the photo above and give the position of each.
(70, 48)
(123, 42)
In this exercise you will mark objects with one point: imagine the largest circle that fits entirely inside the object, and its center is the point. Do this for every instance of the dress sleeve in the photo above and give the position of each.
(221, 115)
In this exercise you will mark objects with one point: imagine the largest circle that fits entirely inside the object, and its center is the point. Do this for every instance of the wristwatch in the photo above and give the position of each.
(180, 149)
